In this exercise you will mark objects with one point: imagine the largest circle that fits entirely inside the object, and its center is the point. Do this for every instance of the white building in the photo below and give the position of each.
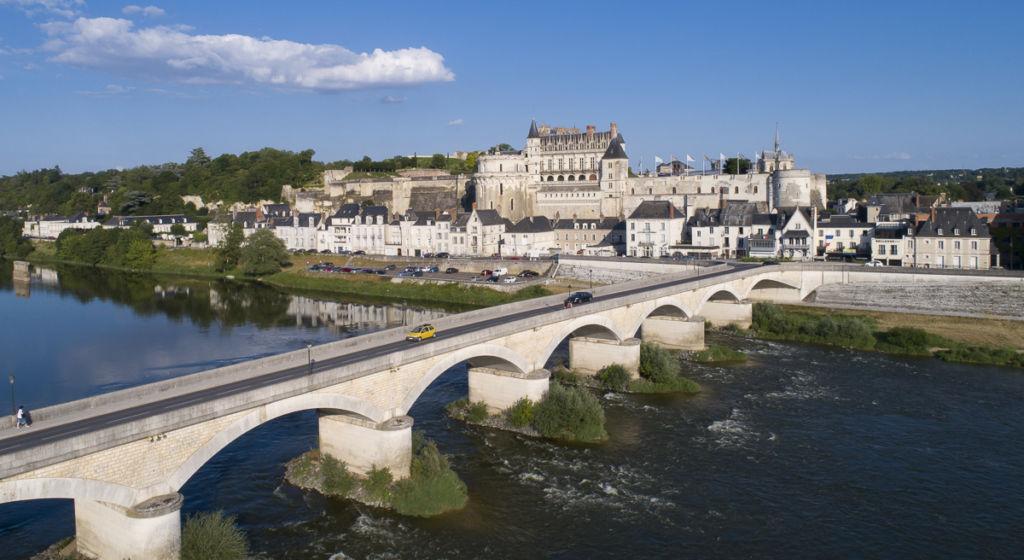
(50, 227)
(653, 228)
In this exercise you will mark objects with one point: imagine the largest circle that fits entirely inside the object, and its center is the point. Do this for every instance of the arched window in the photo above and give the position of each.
(501, 189)
(673, 190)
(698, 189)
(593, 177)
(572, 177)
(561, 177)
(551, 178)
(511, 205)
(737, 191)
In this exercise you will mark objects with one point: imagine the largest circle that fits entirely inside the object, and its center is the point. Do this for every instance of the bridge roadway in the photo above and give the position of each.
(40, 435)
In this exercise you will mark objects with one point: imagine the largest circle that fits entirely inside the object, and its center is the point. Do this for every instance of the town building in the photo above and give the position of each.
(653, 228)
(50, 227)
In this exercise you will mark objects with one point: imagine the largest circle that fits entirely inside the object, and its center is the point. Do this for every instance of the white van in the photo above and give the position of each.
(500, 271)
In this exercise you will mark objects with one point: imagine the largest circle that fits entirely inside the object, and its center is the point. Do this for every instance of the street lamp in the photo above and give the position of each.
(309, 356)
(591, 279)
(13, 411)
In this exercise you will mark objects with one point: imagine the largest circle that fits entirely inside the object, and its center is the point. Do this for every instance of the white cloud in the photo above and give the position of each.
(109, 91)
(393, 99)
(148, 11)
(167, 54)
(456, 122)
(31, 66)
(65, 8)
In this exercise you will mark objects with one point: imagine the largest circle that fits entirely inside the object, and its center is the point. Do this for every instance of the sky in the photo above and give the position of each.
(853, 86)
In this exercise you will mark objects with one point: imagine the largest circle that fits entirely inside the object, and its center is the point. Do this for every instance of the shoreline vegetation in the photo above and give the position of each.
(862, 331)
(200, 263)
(432, 488)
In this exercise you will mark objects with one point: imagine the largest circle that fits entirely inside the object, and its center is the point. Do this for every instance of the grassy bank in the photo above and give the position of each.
(717, 353)
(861, 331)
(199, 263)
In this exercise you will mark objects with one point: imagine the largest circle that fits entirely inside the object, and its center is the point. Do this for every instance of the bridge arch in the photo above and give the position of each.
(493, 354)
(721, 293)
(597, 326)
(257, 417)
(774, 288)
(69, 488)
(661, 308)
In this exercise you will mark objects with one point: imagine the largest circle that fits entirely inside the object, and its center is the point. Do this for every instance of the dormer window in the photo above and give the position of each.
(974, 231)
(956, 231)
(938, 231)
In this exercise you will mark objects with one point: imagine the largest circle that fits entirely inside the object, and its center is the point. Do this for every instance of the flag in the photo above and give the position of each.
(741, 156)
(757, 156)
(690, 159)
(706, 158)
(658, 160)
(721, 156)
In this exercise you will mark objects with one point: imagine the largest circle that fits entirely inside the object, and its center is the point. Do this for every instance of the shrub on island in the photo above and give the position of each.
(614, 377)
(212, 536)
(570, 413)
(660, 372)
(432, 486)
(718, 353)
(520, 414)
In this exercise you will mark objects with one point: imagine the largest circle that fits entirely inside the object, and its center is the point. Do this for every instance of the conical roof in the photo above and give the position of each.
(534, 133)
(615, 150)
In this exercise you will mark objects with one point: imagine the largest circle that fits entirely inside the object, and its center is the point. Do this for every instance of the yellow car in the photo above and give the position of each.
(422, 332)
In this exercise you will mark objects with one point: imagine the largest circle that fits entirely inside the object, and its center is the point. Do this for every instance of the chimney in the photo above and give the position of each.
(614, 130)
(933, 213)
(591, 129)
(437, 214)
(474, 206)
(671, 210)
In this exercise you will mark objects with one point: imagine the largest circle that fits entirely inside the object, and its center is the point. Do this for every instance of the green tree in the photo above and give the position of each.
(198, 158)
(140, 254)
(870, 184)
(471, 162)
(212, 536)
(132, 201)
(263, 253)
(230, 248)
(438, 161)
(178, 230)
(11, 242)
(731, 163)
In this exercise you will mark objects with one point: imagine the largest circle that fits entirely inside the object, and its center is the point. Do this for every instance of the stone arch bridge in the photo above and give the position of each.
(123, 456)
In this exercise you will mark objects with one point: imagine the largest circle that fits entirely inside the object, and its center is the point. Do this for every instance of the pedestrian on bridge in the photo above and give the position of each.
(22, 417)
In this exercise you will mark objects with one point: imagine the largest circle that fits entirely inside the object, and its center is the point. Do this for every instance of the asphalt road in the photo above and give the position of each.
(40, 435)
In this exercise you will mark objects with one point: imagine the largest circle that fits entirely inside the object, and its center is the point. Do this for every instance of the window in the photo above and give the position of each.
(956, 245)
(942, 244)
(501, 189)
(974, 231)
(974, 246)
(956, 231)
(939, 232)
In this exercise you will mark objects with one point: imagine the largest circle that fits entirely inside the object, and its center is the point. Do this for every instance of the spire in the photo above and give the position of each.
(776, 137)
(533, 130)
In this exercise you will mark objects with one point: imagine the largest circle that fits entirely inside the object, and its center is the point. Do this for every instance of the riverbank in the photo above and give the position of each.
(862, 331)
(199, 263)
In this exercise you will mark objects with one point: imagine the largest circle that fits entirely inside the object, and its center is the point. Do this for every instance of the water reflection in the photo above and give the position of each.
(84, 331)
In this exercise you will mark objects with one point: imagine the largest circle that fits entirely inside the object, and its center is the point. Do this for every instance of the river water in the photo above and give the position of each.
(801, 452)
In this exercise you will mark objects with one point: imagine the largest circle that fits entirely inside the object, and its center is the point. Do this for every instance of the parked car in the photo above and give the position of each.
(433, 269)
(492, 279)
(418, 273)
(486, 272)
(344, 269)
(405, 273)
(390, 267)
(500, 271)
(427, 255)
(770, 262)
(443, 255)
(476, 278)
(528, 274)
(360, 252)
(577, 298)
(509, 279)
(409, 269)
(450, 270)
(422, 332)
(874, 263)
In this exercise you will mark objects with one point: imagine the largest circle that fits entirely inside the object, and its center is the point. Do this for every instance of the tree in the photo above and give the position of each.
(730, 166)
(870, 184)
(134, 200)
(178, 230)
(140, 254)
(263, 253)
(438, 161)
(471, 162)
(230, 248)
(198, 158)
(212, 536)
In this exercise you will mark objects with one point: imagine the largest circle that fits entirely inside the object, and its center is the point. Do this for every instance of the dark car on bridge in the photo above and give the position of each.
(577, 298)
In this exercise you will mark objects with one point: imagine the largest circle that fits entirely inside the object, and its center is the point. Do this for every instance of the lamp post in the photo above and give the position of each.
(309, 356)
(591, 279)
(13, 411)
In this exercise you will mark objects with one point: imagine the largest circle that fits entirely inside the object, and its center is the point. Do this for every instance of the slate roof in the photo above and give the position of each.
(796, 234)
(585, 223)
(246, 218)
(350, 210)
(374, 211)
(953, 222)
(277, 210)
(532, 224)
(489, 217)
(615, 150)
(534, 133)
(656, 210)
(705, 217)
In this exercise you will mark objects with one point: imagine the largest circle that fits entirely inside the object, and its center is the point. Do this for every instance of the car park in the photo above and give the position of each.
(577, 298)
(422, 332)
(450, 270)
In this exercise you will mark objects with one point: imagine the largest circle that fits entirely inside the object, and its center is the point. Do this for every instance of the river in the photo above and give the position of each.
(801, 452)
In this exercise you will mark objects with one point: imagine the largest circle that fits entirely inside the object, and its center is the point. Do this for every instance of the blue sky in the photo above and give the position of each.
(91, 85)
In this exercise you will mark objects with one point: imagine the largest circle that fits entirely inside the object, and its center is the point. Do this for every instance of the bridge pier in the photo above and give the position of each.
(588, 355)
(500, 389)
(151, 529)
(722, 313)
(674, 332)
(363, 445)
